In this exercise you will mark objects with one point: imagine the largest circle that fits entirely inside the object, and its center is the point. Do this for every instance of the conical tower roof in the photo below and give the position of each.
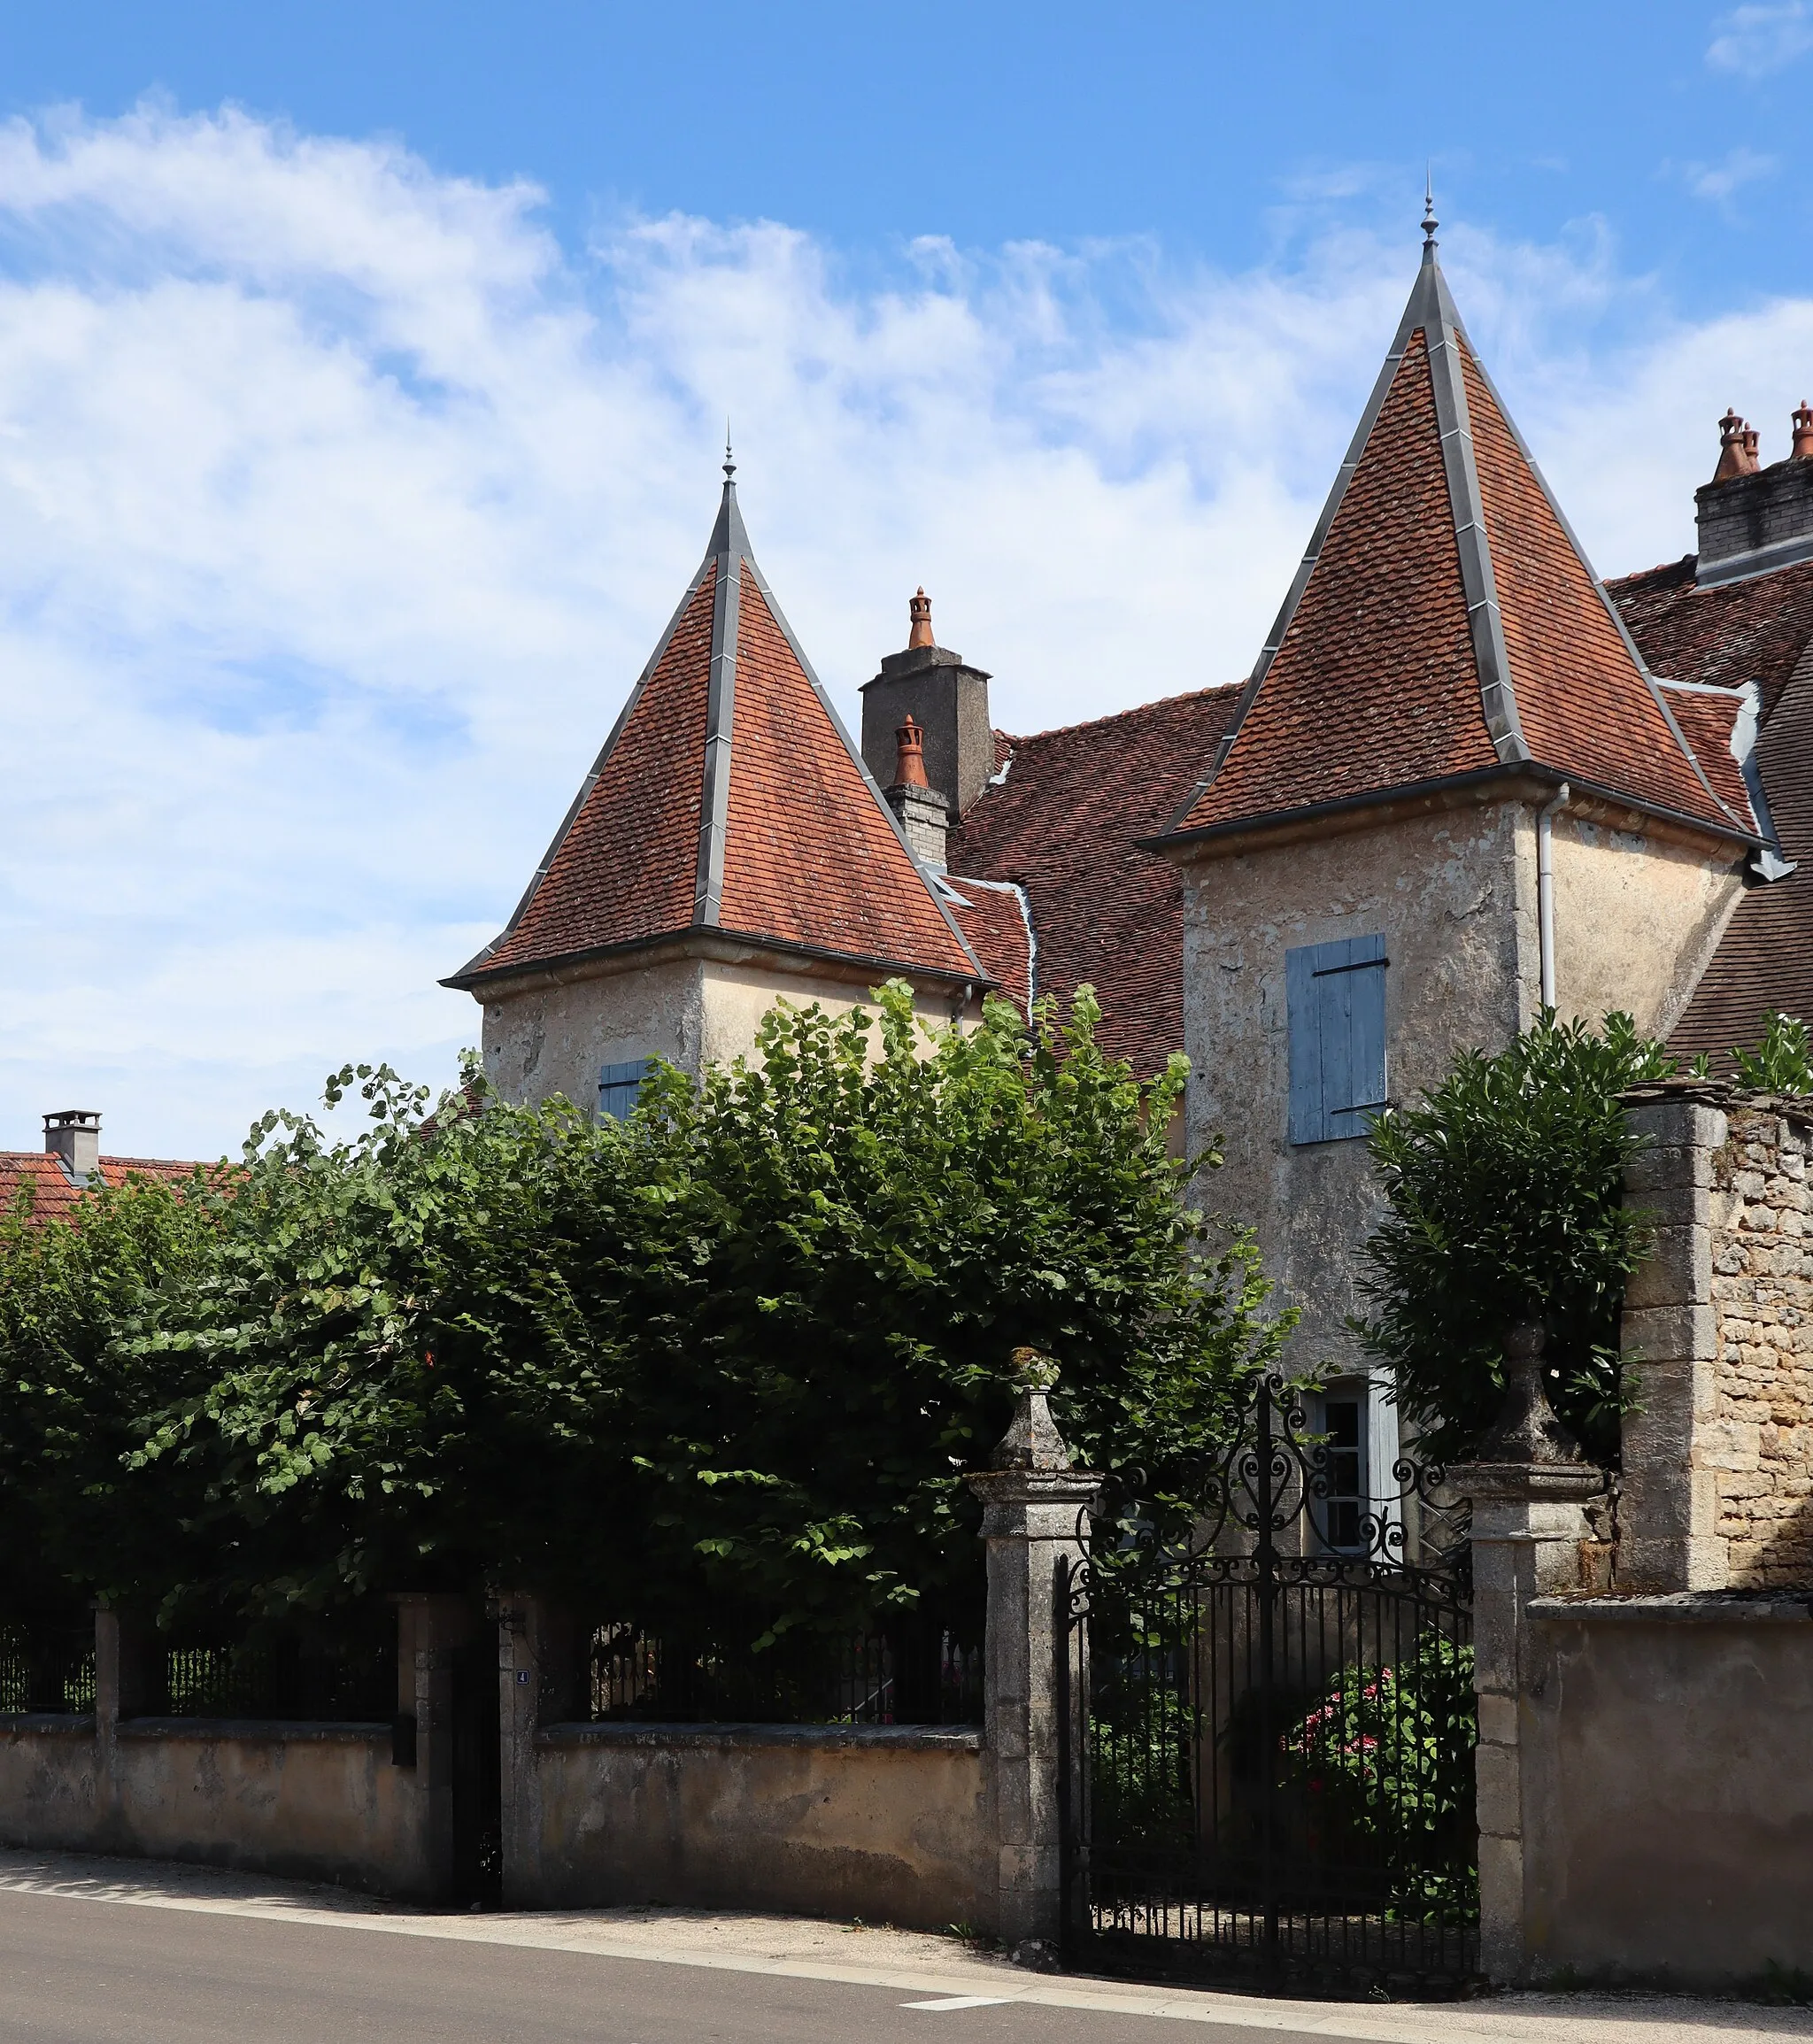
(1445, 625)
(729, 798)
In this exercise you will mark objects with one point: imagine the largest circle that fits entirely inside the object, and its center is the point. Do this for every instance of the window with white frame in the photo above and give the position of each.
(1357, 1511)
(619, 1085)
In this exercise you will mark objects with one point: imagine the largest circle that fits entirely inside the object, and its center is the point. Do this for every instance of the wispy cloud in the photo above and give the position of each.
(1755, 41)
(1720, 181)
(339, 506)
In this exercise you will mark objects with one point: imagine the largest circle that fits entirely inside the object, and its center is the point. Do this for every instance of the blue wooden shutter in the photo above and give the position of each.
(618, 1086)
(1334, 997)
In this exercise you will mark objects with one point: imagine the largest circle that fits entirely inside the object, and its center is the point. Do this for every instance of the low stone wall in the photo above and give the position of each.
(1759, 1442)
(891, 1820)
(1667, 1790)
(312, 1802)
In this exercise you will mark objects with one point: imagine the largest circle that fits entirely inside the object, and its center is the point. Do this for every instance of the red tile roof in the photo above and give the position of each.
(55, 1193)
(1062, 822)
(1707, 717)
(994, 916)
(729, 798)
(1444, 623)
(1760, 630)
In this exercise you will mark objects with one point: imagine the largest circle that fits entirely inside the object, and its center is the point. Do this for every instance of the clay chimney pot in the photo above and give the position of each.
(1803, 433)
(909, 771)
(919, 609)
(1737, 449)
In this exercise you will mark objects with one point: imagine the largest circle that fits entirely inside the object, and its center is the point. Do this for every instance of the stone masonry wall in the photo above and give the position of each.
(1761, 1440)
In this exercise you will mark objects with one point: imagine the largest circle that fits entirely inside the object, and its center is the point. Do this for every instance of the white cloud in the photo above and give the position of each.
(339, 506)
(1755, 41)
(1719, 181)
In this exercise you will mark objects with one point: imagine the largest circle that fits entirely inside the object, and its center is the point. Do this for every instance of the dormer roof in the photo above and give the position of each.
(1445, 625)
(729, 799)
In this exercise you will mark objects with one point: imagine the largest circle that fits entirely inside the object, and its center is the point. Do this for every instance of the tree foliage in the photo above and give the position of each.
(1505, 1192)
(1782, 1062)
(733, 1352)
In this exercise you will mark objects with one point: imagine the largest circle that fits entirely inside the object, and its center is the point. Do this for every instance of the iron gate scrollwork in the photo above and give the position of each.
(1273, 1727)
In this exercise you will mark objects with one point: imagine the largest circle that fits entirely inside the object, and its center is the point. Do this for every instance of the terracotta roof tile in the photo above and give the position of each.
(1753, 631)
(1062, 824)
(1444, 623)
(993, 916)
(729, 798)
(1708, 717)
(55, 1195)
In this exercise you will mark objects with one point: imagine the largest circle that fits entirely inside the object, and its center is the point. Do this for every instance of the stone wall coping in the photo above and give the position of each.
(268, 1731)
(1715, 1092)
(13, 1722)
(908, 1738)
(1681, 1607)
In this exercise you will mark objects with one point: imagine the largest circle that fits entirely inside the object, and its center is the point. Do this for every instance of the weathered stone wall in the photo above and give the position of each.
(890, 1824)
(692, 1007)
(1453, 894)
(1760, 1444)
(1638, 911)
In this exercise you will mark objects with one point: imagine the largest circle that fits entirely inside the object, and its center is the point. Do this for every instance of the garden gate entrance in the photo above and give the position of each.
(1277, 1726)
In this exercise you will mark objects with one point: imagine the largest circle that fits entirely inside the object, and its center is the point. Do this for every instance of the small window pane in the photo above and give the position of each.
(1345, 1501)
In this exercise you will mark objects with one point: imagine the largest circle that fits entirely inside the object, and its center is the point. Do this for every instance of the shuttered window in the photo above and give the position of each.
(1335, 998)
(618, 1086)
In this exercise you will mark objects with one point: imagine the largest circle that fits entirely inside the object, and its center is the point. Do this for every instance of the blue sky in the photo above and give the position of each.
(363, 371)
(1223, 130)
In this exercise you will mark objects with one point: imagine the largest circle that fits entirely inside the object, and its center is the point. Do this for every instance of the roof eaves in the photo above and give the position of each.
(465, 980)
(1171, 840)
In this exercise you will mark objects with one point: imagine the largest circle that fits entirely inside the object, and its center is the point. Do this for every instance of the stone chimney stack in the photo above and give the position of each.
(75, 1135)
(946, 698)
(924, 813)
(1754, 519)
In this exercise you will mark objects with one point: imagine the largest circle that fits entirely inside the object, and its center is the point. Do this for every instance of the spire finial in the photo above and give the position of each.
(730, 465)
(1430, 222)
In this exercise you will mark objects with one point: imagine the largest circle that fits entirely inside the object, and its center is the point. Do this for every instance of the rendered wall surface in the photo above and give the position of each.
(1637, 916)
(549, 1039)
(887, 1823)
(1668, 1798)
(1453, 895)
(314, 1802)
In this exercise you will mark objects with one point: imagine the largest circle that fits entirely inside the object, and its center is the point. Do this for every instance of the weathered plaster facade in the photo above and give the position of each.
(695, 1003)
(1638, 910)
(1452, 891)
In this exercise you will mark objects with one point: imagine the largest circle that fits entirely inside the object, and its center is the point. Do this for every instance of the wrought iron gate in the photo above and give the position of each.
(1272, 1728)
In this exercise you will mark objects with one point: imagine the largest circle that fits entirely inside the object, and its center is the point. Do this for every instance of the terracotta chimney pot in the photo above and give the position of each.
(1737, 449)
(1803, 433)
(919, 609)
(909, 770)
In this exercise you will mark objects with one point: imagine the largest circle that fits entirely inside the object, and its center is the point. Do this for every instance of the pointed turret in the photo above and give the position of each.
(1444, 625)
(728, 799)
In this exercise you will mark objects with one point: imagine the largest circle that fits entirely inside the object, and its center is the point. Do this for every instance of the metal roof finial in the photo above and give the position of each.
(730, 465)
(1430, 222)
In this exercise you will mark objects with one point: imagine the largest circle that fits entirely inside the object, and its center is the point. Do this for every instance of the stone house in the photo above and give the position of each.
(1465, 779)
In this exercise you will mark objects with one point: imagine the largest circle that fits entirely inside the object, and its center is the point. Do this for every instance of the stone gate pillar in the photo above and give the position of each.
(1529, 1493)
(1034, 1502)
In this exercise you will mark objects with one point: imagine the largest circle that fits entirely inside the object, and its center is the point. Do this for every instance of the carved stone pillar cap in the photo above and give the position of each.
(1526, 1483)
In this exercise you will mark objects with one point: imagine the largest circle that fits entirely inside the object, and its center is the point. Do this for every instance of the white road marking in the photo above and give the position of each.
(963, 2001)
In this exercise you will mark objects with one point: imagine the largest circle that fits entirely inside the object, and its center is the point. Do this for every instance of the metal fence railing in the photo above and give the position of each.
(330, 1678)
(629, 1672)
(48, 1666)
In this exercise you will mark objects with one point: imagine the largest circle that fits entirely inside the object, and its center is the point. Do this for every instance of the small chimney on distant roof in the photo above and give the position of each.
(1803, 433)
(919, 609)
(946, 699)
(74, 1134)
(1737, 449)
(924, 813)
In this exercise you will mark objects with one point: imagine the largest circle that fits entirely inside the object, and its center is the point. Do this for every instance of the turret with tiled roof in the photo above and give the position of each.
(729, 800)
(1445, 625)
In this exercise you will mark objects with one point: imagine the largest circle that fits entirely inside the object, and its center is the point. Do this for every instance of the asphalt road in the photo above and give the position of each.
(94, 1972)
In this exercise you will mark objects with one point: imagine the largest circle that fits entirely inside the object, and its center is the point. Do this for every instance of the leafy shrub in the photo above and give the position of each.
(1388, 1754)
(1505, 1191)
(1782, 1062)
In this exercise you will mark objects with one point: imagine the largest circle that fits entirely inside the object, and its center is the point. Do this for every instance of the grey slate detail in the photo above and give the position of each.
(729, 544)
